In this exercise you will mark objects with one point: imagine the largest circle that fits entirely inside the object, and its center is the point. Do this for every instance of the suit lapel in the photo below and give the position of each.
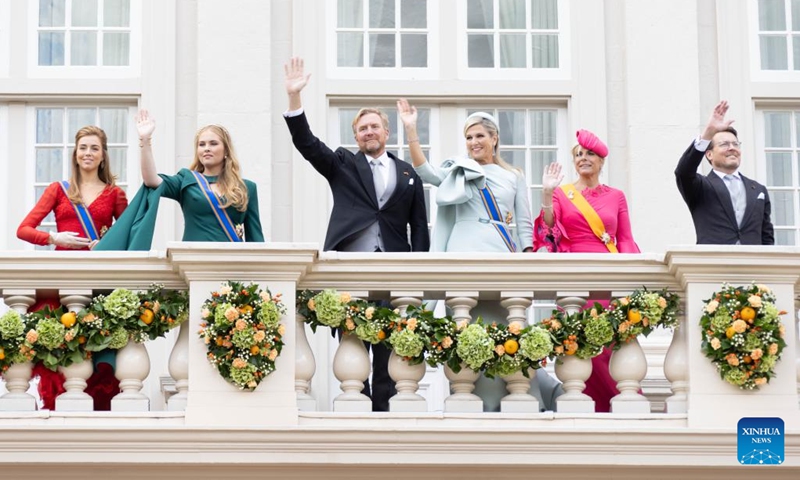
(751, 194)
(404, 174)
(724, 196)
(365, 174)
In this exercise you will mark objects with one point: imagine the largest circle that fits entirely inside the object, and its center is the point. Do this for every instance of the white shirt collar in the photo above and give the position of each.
(723, 174)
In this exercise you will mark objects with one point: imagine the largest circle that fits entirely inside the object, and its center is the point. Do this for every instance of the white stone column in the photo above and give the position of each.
(462, 383)
(406, 377)
(628, 366)
(351, 366)
(518, 385)
(676, 369)
(305, 367)
(18, 376)
(572, 371)
(75, 399)
(178, 366)
(133, 367)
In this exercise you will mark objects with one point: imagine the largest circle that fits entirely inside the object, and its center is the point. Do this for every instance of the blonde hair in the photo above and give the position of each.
(490, 124)
(232, 189)
(369, 110)
(578, 146)
(103, 171)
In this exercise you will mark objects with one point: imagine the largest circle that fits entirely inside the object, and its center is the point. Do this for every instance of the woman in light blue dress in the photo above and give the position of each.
(478, 198)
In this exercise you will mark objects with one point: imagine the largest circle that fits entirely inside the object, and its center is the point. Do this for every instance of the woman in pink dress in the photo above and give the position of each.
(585, 217)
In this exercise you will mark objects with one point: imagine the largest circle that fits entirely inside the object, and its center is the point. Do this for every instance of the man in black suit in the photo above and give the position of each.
(727, 207)
(377, 198)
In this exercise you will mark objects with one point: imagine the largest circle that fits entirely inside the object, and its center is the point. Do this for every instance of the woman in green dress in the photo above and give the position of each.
(218, 204)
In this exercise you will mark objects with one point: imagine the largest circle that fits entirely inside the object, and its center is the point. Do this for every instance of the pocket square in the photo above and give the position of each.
(760, 196)
(411, 181)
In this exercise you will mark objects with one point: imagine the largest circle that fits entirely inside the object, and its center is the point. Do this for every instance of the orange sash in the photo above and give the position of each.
(591, 216)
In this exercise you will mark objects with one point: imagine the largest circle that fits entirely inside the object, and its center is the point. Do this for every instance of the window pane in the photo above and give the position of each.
(796, 15)
(796, 51)
(516, 158)
(779, 169)
(512, 51)
(51, 48)
(424, 125)
(78, 118)
(512, 13)
(116, 48)
(52, 13)
(381, 13)
(777, 126)
(512, 127)
(414, 14)
(797, 127)
(84, 13)
(119, 162)
(539, 160)
(346, 116)
(49, 165)
(480, 14)
(481, 51)
(544, 14)
(117, 13)
(784, 237)
(543, 127)
(350, 14)
(773, 53)
(114, 121)
(782, 208)
(392, 114)
(771, 15)
(381, 49)
(83, 50)
(428, 202)
(49, 125)
(350, 49)
(545, 51)
(414, 50)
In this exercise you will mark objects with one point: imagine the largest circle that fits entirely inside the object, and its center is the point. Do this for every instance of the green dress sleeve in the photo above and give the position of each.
(252, 219)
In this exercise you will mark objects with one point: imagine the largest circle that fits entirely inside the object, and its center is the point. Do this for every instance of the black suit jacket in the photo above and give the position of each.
(712, 209)
(355, 205)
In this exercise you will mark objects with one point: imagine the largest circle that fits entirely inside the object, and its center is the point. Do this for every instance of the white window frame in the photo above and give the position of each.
(133, 70)
(761, 163)
(759, 75)
(5, 163)
(133, 174)
(563, 72)
(381, 73)
(5, 37)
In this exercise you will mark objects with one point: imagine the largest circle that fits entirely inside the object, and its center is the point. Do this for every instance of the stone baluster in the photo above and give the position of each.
(18, 376)
(75, 399)
(305, 366)
(676, 370)
(628, 366)
(518, 385)
(462, 383)
(406, 377)
(796, 319)
(178, 366)
(351, 366)
(571, 370)
(133, 367)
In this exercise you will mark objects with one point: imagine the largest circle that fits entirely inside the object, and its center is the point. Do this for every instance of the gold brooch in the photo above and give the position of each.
(509, 217)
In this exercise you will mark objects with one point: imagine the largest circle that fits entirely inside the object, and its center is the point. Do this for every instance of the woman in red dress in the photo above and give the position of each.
(92, 188)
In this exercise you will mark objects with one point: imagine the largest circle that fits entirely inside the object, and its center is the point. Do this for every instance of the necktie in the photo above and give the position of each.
(377, 177)
(736, 190)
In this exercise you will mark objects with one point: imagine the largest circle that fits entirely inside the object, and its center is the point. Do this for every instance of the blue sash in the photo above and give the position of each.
(222, 216)
(83, 215)
(494, 213)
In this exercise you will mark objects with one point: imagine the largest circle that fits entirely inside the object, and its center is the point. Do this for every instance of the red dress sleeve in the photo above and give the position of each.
(27, 229)
(120, 203)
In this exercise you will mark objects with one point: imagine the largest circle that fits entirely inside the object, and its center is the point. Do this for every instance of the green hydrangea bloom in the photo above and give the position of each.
(474, 346)
(11, 325)
(368, 331)
(735, 376)
(243, 376)
(721, 320)
(269, 315)
(243, 338)
(770, 311)
(121, 304)
(219, 315)
(598, 331)
(119, 338)
(751, 342)
(329, 308)
(51, 333)
(767, 363)
(536, 344)
(406, 343)
(506, 365)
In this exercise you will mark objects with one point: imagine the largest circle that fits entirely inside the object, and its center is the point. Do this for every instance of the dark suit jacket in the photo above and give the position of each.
(712, 209)
(355, 205)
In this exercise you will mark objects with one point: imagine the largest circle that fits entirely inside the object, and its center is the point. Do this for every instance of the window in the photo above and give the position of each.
(54, 140)
(83, 33)
(512, 34)
(779, 34)
(781, 163)
(382, 33)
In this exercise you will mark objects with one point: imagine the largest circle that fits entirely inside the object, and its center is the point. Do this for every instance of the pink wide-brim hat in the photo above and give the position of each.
(589, 141)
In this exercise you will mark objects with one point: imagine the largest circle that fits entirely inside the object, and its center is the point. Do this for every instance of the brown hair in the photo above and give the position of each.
(103, 171)
(369, 110)
(231, 186)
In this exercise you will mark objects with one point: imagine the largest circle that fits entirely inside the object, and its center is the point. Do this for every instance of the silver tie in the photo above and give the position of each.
(377, 178)
(736, 189)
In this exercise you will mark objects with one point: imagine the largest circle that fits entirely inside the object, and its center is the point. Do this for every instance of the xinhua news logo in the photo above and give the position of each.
(760, 441)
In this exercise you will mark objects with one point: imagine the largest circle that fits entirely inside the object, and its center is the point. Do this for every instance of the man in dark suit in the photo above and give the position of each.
(377, 198)
(727, 207)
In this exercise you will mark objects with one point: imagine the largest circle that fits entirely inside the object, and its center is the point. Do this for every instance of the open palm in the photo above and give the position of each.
(295, 78)
(145, 124)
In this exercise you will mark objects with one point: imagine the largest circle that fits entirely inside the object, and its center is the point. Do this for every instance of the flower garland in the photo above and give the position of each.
(582, 334)
(14, 329)
(330, 308)
(743, 334)
(517, 348)
(242, 330)
(641, 312)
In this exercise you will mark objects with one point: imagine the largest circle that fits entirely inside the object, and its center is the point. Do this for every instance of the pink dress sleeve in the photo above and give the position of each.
(625, 242)
(553, 239)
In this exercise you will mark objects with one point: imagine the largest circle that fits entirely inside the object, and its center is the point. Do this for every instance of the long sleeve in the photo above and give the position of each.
(625, 242)
(522, 216)
(418, 220)
(27, 230)
(686, 177)
(430, 174)
(550, 238)
(252, 219)
(120, 202)
(767, 230)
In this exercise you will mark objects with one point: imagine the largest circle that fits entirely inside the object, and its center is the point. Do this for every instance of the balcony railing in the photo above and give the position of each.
(700, 414)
